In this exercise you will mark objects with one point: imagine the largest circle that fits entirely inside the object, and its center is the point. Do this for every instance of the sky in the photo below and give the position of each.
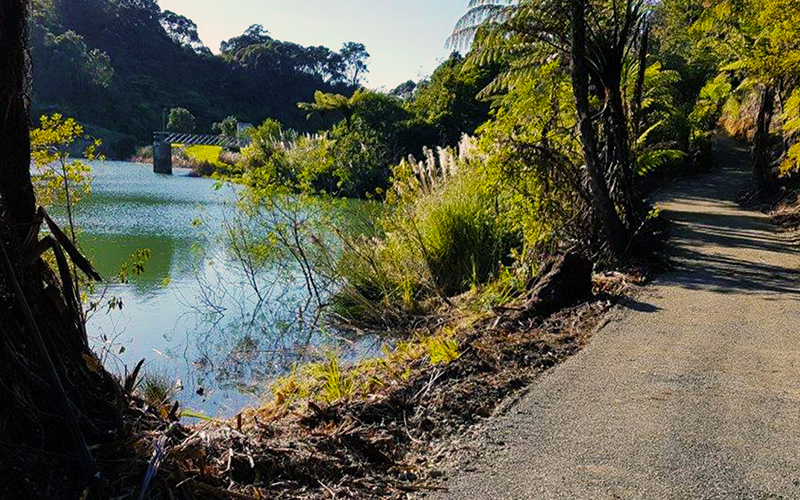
(405, 38)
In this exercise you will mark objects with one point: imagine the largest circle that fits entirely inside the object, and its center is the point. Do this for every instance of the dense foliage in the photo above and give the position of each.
(746, 56)
(181, 120)
(586, 111)
(363, 136)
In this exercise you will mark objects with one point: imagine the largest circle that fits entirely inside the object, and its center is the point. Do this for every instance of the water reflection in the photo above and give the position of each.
(111, 251)
(224, 326)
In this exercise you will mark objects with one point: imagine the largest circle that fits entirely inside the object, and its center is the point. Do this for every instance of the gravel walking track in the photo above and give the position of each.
(691, 391)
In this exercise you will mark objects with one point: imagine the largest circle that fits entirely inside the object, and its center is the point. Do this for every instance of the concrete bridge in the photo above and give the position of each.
(163, 141)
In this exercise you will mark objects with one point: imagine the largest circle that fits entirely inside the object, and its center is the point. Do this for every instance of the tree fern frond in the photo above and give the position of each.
(641, 141)
(735, 66)
(791, 114)
(791, 162)
(478, 15)
(462, 38)
(747, 85)
(650, 160)
(477, 3)
(508, 80)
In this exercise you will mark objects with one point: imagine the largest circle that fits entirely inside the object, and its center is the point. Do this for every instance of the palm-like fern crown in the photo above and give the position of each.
(524, 34)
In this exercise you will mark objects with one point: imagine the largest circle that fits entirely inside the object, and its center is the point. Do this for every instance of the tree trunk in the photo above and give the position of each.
(638, 93)
(603, 208)
(621, 145)
(16, 189)
(54, 394)
(762, 166)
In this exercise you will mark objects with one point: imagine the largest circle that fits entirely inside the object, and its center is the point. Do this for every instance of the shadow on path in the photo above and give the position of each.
(691, 392)
(718, 246)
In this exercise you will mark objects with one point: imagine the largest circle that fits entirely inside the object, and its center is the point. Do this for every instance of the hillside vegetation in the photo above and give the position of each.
(115, 65)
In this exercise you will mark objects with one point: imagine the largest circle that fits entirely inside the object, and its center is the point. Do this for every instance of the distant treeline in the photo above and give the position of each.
(117, 64)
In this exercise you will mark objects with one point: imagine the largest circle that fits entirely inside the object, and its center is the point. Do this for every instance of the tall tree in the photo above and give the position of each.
(355, 57)
(54, 390)
(254, 35)
(601, 200)
(181, 120)
(405, 90)
(449, 102)
(181, 29)
(16, 188)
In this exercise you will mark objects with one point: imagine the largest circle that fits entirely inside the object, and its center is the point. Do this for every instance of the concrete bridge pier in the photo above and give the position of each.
(162, 156)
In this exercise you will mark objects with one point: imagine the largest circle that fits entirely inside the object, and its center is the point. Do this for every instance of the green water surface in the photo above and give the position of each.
(223, 357)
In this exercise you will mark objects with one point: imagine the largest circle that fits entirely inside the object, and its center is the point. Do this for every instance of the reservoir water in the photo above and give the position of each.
(193, 314)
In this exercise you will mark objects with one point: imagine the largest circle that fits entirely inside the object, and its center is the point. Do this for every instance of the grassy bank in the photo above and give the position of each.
(376, 429)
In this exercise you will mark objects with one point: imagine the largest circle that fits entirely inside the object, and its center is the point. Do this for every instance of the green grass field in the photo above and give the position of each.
(202, 154)
(208, 154)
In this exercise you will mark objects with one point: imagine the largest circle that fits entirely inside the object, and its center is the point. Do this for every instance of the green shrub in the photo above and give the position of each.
(351, 161)
(442, 350)
(360, 160)
(336, 383)
(444, 237)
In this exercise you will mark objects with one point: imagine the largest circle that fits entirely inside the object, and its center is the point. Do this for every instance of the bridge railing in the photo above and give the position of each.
(197, 139)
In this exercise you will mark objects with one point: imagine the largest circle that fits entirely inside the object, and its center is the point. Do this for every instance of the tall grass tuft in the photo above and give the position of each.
(446, 235)
(462, 239)
(336, 383)
(157, 389)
